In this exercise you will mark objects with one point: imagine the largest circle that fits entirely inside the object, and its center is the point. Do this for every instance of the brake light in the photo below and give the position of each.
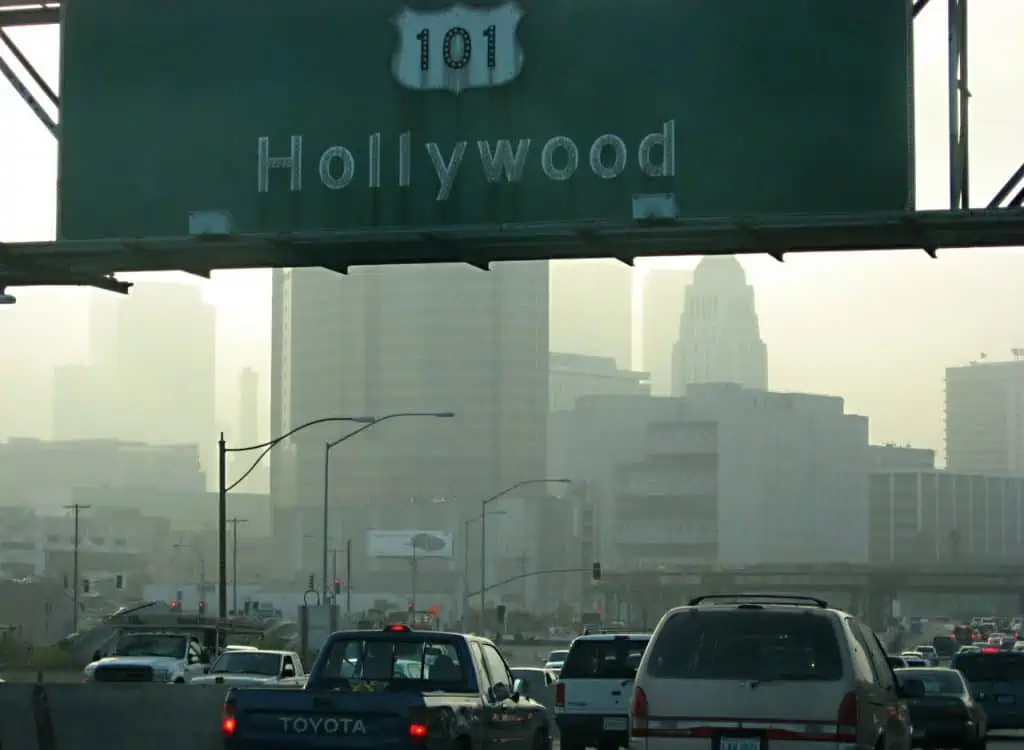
(397, 628)
(228, 723)
(989, 650)
(418, 731)
(560, 694)
(846, 719)
(638, 713)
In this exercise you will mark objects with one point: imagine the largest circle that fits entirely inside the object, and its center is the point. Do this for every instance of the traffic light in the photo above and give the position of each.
(595, 573)
(501, 613)
(202, 607)
(174, 604)
(85, 585)
(119, 582)
(312, 582)
(411, 605)
(337, 585)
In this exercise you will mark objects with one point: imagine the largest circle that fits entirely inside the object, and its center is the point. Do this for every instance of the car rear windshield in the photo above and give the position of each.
(407, 662)
(936, 681)
(604, 658)
(979, 667)
(746, 645)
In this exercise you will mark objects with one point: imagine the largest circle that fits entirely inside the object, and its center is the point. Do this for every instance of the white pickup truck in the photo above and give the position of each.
(255, 667)
(150, 657)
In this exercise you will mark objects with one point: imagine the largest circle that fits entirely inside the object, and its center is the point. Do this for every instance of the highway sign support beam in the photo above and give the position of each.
(92, 261)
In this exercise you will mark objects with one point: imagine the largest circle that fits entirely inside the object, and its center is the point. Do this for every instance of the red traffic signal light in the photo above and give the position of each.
(202, 606)
(337, 585)
(174, 604)
(411, 605)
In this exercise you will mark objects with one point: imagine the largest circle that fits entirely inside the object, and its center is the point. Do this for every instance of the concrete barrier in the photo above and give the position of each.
(17, 724)
(97, 716)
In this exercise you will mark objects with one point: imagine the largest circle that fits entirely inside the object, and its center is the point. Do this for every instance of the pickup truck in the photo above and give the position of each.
(389, 689)
(143, 656)
(256, 667)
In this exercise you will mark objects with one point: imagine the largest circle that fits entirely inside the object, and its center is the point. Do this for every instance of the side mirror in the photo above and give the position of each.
(911, 688)
(206, 670)
(288, 671)
(193, 659)
(97, 655)
(500, 692)
(520, 687)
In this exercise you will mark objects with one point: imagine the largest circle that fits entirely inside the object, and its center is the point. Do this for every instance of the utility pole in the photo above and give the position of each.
(234, 561)
(348, 577)
(76, 509)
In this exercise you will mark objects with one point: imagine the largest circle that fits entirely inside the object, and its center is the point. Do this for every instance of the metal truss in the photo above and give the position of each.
(93, 263)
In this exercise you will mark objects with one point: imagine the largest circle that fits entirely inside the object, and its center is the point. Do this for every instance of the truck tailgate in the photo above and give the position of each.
(280, 719)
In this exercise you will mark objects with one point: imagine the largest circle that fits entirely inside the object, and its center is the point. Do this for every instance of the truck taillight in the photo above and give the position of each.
(418, 731)
(638, 713)
(228, 723)
(560, 694)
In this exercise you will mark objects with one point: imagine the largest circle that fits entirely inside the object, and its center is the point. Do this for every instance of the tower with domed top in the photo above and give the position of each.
(719, 335)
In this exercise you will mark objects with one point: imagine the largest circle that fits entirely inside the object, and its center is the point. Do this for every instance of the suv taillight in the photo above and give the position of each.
(847, 718)
(638, 713)
(560, 694)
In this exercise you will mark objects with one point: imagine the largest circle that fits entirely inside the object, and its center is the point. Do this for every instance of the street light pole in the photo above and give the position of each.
(223, 489)
(234, 561)
(483, 530)
(465, 559)
(331, 445)
(77, 509)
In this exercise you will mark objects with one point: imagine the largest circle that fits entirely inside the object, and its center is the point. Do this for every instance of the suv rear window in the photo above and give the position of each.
(746, 645)
(604, 659)
(978, 667)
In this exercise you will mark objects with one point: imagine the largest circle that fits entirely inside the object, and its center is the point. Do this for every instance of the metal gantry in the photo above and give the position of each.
(1000, 223)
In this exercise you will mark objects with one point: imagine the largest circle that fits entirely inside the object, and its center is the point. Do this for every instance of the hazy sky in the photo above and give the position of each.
(875, 328)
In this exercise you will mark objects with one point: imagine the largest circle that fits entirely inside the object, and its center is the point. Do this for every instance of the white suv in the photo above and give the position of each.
(745, 672)
(593, 690)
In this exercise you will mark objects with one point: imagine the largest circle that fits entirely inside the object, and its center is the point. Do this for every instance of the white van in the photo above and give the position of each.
(745, 672)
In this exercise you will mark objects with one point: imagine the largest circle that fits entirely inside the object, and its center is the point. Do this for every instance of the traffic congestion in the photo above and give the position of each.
(721, 672)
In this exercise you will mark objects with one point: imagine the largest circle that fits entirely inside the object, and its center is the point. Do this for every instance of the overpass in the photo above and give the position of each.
(872, 589)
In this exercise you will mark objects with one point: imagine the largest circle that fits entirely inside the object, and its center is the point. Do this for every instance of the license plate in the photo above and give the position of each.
(614, 724)
(740, 743)
(1005, 699)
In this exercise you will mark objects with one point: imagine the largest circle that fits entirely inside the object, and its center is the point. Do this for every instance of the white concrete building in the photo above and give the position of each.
(574, 376)
(726, 475)
(985, 417)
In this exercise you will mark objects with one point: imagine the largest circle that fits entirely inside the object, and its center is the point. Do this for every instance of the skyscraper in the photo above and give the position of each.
(409, 339)
(985, 417)
(719, 335)
(662, 294)
(592, 309)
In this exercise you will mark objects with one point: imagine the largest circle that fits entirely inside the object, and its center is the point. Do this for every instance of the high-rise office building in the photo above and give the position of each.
(386, 340)
(592, 309)
(151, 375)
(661, 307)
(719, 334)
(985, 417)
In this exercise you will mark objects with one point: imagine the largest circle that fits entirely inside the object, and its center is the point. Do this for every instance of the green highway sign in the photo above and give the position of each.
(312, 115)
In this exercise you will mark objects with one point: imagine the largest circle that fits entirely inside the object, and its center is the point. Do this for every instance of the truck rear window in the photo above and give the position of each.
(1007, 667)
(604, 659)
(413, 661)
(746, 645)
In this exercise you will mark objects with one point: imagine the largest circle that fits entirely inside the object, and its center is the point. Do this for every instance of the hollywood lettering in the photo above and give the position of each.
(319, 725)
(561, 158)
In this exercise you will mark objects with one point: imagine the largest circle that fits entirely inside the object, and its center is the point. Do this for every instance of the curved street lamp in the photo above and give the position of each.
(223, 489)
(265, 448)
(483, 530)
(331, 445)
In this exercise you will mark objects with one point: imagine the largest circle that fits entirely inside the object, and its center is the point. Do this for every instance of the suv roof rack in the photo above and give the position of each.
(611, 631)
(781, 598)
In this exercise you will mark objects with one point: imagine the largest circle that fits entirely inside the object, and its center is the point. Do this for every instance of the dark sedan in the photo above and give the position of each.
(946, 715)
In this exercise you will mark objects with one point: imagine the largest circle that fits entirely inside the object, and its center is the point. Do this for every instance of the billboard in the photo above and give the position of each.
(425, 115)
(413, 543)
